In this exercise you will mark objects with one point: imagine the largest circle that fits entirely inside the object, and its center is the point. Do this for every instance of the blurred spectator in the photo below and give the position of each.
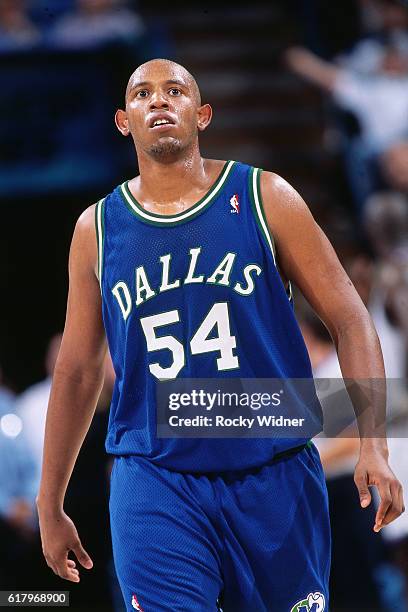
(386, 22)
(97, 22)
(394, 165)
(32, 405)
(87, 496)
(386, 224)
(88, 491)
(396, 534)
(375, 583)
(373, 289)
(18, 525)
(17, 470)
(22, 565)
(379, 101)
(16, 29)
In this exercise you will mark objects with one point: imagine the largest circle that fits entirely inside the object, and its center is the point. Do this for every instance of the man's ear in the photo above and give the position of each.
(204, 116)
(122, 122)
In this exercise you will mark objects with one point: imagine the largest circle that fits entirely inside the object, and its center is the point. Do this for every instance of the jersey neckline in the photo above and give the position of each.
(165, 220)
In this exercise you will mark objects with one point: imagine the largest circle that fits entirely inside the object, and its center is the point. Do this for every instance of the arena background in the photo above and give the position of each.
(300, 87)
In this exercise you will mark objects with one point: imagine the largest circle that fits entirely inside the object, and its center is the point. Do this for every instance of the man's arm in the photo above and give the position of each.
(77, 382)
(306, 256)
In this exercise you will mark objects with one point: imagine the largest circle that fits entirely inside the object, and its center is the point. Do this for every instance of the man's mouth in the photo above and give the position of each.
(160, 121)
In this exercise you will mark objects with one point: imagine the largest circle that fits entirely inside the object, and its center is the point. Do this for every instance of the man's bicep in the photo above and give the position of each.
(307, 257)
(83, 341)
(316, 270)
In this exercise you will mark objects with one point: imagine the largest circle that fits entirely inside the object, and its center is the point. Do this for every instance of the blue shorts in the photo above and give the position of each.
(253, 541)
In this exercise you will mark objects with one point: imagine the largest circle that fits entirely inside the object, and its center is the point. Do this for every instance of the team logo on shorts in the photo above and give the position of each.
(234, 204)
(314, 602)
(135, 604)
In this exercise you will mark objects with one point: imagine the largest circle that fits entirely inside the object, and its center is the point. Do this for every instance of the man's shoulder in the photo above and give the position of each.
(276, 188)
(281, 201)
(87, 217)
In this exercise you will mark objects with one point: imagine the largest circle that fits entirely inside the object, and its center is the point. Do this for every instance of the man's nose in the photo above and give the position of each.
(158, 100)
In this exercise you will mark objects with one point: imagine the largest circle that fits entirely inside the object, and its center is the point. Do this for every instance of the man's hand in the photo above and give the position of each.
(373, 470)
(59, 536)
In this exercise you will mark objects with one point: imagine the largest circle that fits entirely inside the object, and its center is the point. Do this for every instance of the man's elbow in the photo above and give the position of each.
(357, 325)
(79, 372)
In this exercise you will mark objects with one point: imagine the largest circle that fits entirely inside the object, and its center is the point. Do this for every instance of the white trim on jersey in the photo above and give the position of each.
(257, 200)
(179, 217)
(99, 238)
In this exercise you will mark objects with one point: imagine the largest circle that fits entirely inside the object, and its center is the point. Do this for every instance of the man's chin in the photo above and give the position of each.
(166, 148)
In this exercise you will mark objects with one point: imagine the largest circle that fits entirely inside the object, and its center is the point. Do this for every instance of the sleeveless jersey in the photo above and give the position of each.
(194, 295)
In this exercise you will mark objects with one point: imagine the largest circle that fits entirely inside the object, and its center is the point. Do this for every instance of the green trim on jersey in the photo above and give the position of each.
(169, 220)
(100, 235)
(256, 201)
(259, 211)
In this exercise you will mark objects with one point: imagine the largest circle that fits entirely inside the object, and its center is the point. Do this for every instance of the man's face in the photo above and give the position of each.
(163, 110)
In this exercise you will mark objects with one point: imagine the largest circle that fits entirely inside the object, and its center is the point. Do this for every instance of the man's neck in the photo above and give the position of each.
(164, 183)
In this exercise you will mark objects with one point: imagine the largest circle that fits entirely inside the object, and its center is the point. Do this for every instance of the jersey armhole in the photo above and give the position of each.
(260, 217)
(100, 235)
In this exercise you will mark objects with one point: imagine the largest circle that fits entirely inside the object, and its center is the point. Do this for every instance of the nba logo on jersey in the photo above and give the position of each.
(135, 604)
(234, 204)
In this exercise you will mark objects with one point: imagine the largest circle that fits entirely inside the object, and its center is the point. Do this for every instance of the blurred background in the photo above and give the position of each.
(315, 91)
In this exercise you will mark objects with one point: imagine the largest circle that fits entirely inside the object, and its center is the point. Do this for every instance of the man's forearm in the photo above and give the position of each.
(72, 404)
(362, 366)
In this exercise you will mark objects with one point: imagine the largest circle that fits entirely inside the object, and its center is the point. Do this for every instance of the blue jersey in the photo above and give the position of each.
(193, 295)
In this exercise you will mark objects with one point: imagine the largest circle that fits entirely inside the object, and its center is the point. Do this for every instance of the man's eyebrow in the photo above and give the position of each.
(175, 82)
(145, 83)
(139, 84)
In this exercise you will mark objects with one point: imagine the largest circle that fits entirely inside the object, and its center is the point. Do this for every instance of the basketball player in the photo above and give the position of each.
(187, 271)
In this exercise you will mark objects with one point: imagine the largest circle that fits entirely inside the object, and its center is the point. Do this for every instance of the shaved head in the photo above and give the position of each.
(163, 113)
(175, 72)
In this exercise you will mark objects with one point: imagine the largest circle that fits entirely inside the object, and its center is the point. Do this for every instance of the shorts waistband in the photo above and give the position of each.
(239, 474)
